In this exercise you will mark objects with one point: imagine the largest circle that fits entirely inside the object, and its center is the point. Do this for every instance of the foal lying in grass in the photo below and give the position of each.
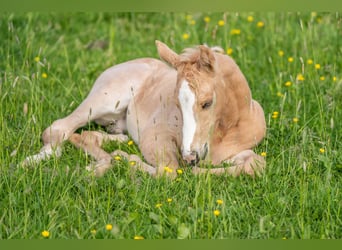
(195, 107)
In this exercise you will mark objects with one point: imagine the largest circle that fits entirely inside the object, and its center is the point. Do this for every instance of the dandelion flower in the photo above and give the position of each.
(192, 22)
(179, 171)
(207, 19)
(185, 36)
(158, 205)
(169, 200)
(188, 17)
(235, 32)
(280, 94)
(250, 19)
(132, 163)
(229, 51)
(290, 59)
(321, 150)
(263, 154)
(309, 61)
(260, 24)
(93, 231)
(217, 212)
(334, 79)
(288, 84)
(317, 66)
(138, 237)
(219, 202)
(44, 75)
(275, 114)
(220, 23)
(168, 170)
(322, 78)
(281, 53)
(130, 143)
(117, 158)
(37, 58)
(45, 234)
(300, 77)
(109, 227)
(295, 119)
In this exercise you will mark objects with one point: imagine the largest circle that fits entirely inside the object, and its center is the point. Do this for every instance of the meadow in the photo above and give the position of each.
(292, 61)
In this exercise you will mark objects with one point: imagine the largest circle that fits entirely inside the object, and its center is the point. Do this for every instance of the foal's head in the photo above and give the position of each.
(196, 96)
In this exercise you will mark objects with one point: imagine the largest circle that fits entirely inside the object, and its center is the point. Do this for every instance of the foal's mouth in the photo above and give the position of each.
(194, 157)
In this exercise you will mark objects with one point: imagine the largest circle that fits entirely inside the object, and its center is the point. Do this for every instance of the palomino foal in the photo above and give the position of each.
(201, 106)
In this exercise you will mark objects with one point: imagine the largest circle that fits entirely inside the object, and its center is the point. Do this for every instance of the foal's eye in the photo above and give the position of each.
(207, 104)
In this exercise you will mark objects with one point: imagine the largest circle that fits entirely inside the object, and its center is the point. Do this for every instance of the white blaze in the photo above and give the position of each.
(187, 100)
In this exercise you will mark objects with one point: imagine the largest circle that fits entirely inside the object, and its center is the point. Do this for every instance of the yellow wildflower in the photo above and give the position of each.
(220, 23)
(317, 66)
(263, 154)
(280, 94)
(321, 150)
(93, 231)
(250, 19)
(300, 77)
(188, 17)
(44, 75)
(109, 227)
(295, 119)
(45, 234)
(168, 170)
(117, 158)
(235, 32)
(207, 19)
(158, 205)
(138, 237)
(229, 51)
(281, 53)
(179, 171)
(290, 59)
(288, 84)
(169, 200)
(322, 78)
(334, 79)
(219, 202)
(132, 163)
(185, 36)
(37, 58)
(192, 22)
(130, 143)
(260, 24)
(275, 114)
(309, 61)
(217, 212)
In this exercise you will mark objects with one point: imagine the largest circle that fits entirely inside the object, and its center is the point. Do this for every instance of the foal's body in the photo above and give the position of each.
(140, 96)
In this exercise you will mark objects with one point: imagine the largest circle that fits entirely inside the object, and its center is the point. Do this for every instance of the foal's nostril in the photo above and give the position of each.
(192, 158)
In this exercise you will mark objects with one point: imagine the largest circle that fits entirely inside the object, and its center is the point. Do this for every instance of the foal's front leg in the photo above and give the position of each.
(245, 162)
(91, 142)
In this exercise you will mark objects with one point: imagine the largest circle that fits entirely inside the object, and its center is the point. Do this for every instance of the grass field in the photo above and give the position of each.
(293, 64)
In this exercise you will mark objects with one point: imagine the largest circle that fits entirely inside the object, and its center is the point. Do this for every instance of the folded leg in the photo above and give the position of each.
(245, 162)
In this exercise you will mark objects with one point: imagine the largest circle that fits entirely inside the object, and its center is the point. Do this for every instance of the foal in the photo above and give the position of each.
(201, 106)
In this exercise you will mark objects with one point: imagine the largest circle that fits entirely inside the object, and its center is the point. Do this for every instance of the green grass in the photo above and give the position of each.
(299, 195)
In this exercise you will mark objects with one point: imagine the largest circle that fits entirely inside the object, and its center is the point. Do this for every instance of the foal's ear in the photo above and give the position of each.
(207, 59)
(167, 54)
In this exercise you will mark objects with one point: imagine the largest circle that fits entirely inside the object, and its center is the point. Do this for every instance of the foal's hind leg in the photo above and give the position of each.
(245, 162)
(91, 142)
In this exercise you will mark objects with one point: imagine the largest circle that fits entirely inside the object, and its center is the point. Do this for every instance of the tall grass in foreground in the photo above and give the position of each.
(292, 62)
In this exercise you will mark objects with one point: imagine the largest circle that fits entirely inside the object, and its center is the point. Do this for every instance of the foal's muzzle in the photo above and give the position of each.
(194, 157)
